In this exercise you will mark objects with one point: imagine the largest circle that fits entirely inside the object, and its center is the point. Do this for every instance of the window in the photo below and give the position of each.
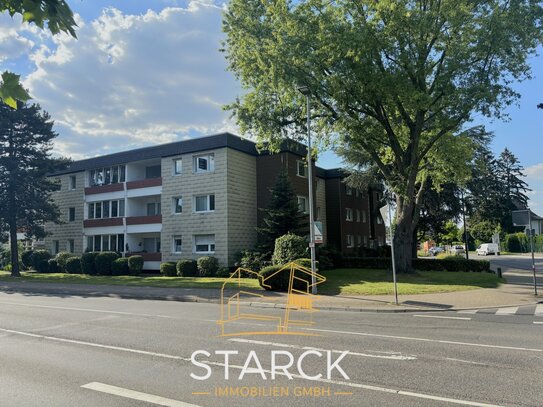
(73, 182)
(154, 171)
(350, 242)
(91, 211)
(204, 163)
(348, 214)
(204, 243)
(365, 241)
(177, 166)
(108, 175)
(98, 210)
(106, 209)
(301, 169)
(114, 209)
(204, 203)
(104, 243)
(70, 246)
(56, 246)
(177, 205)
(153, 208)
(359, 241)
(358, 215)
(115, 175)
(177, 243)
(364, 219)
(348, 190)
(71, 214)
(302, 204)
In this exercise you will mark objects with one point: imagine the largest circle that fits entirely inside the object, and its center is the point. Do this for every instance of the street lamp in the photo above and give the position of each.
(304, 90)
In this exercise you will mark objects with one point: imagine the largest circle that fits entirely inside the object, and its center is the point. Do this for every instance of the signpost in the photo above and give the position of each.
(524, 218)
(386, 214)
(318, 232)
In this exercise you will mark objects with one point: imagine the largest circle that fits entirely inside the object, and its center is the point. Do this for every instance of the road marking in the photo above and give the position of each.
(467, 361)
(442, 317)
(507, 311)
(538, 322)
(410, 338)
(468, 311)
(135, 395)
(321, 380)
(285, 345)
(84, 309)
(538, 309)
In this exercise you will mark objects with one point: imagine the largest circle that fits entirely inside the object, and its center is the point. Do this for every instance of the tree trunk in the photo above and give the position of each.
(14, 248)
(403, 237)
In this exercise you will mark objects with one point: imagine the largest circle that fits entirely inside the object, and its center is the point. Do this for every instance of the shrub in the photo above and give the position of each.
(103, 262)
(26, 258)
(288, 248)
(40, 259)
(168, 269)
(119, 267)
(208, 266)
(187, 268)
(61, 259)
(73, 265)
(135, 265)
(279, 280)
(53, 267)
(306, 263)
(223, 272)
(252, 260)
(451, 263)
(88, 265)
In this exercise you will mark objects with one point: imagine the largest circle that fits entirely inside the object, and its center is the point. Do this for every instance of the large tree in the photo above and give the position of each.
(393, 81)
(56, 14)
(26, 136)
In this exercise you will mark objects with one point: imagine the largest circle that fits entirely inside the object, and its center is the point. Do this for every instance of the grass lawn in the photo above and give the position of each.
(379, 282)
(339, 281)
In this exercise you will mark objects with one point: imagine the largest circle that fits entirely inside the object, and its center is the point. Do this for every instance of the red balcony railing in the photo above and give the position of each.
(100, 189)
(96, 223)
(144, 183)
(143, 220)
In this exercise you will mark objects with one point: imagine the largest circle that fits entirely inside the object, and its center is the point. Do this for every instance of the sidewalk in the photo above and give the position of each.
(506, 295)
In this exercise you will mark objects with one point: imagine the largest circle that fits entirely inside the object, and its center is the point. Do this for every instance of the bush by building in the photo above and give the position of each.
(279, 280)
(103, 262)
(288, 248)
(223, 272)
(207, 266)
(187, 268)
(168, 269)
(40, 260)
(26, 258)
(119, 267)
(253, 260)
(61, 259)
(73, 265)
(53, 266)
(88, 265)
(135, 264)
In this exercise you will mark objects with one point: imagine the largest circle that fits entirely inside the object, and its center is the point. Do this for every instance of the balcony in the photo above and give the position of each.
(102, 189)
(96, 223)
(146, 255)
(143, 220)
(144, 183)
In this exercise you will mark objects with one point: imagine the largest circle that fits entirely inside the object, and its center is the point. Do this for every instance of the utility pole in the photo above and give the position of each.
(465, 225)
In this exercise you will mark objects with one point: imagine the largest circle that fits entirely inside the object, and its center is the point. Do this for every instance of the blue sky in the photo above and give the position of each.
(144, 72)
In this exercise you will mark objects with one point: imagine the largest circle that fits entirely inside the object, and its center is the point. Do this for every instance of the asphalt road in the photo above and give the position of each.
(518, 268)
(67, 351)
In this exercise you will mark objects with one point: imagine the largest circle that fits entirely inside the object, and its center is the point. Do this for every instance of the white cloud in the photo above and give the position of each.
(134, 80)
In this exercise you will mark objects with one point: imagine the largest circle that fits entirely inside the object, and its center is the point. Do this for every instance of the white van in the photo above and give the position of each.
(488, 248)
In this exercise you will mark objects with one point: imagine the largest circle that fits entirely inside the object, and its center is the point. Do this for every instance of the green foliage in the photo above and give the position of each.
(168, 269)
(484, 230)
(448, 263)
(252, 260)
(279, 280)
(88, 265)
(73, 265)
(207, 266)
(450, 233)
(11, 90)
(187, 268)
(103, 262)
(282, 215)
(53, 266)
(26, 259)
(119, 267)
(40, 259)
(520, 243)
(223, 272)
(61, 259)
(288, 248)
(135, 264)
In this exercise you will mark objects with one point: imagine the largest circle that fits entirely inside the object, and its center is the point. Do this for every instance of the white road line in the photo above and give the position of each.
(538, 322)
(321, 380)
(507, 311)
(285, 345)
(136, 395)
(83, 309)
(410, 338)
(468, 311)
(442, 317)
(466, 361)
(538, 309)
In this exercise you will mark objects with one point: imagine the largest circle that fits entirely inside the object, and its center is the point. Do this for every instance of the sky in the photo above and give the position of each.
(144, 72)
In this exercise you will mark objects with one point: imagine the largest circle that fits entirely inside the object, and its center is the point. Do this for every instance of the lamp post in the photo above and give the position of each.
(304, 90)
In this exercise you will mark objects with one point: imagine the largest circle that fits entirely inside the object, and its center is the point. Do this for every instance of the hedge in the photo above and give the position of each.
(450, 263)
(207, 266)
(87, 263)
(119, 267)
(61, 259)
(73, 265)
(280, 280)
(288, 248)
(187, 268)
(103, 262)
(40, 259)
(168, 269)
(26, 258)
(135, 265)
(53, 266)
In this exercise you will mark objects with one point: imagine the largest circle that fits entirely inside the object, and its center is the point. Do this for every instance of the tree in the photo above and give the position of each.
(282, 216)
(484, 230)
(56, 14)
(451, 233)
(394, 82)
(25, 160)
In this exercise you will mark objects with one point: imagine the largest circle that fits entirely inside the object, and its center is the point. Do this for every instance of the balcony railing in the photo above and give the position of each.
(96, 223)
(147, 256)
(100, 189)
(143, 220)
(144, 183)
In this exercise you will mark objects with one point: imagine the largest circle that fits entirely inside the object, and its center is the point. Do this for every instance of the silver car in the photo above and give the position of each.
(458, 250)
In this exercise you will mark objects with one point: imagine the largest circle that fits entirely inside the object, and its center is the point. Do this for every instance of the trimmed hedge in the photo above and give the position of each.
(223, 272)
(119, 267)
(87, 263)
(53, 266)
(207, 266)
(168, 269)
(26, 259)
(73, 265)
(288, 248)
(450, 263)
(135, 265)
(61, 259)
(103, 262)
(280, 281)
(187, 268)
(40, 260)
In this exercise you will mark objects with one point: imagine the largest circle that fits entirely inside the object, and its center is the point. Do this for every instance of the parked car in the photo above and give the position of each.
(434, 251)
(488, 248)
(457, 250)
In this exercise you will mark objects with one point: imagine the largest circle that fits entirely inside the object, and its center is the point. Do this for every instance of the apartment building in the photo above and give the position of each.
(188, 199)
